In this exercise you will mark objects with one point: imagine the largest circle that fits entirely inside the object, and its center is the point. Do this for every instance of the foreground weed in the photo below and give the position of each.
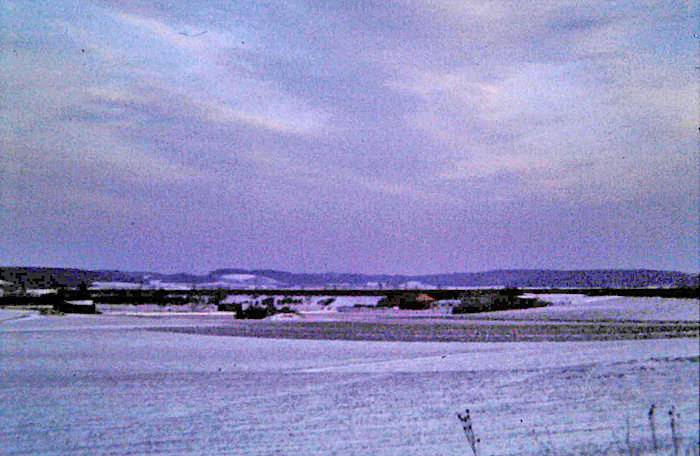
(469, 431)
(652, 427)
(651, 447)
(675, 423)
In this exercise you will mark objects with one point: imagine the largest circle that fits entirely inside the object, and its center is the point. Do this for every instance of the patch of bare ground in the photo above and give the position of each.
(406, 331)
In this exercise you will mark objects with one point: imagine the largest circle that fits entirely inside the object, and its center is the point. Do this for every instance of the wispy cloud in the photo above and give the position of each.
(421, 125)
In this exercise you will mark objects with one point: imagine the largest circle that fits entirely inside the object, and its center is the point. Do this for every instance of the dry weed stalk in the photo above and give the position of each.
(675, 428)
(652, 425)
(469, 430)
(632, 449)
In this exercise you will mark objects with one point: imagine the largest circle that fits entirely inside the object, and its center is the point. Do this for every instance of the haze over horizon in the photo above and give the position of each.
(375, 137)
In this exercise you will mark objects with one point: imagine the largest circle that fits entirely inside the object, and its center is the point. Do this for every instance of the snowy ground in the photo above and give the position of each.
(614, 308)
(107, 384)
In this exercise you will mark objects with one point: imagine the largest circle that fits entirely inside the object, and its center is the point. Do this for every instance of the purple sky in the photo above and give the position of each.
(393, 137)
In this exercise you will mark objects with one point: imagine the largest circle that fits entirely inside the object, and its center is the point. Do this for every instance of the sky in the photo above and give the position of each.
(400, 137)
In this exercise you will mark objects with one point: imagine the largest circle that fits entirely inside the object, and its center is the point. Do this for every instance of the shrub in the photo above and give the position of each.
(267, 302)
(286, 309)
(255, 312)
(506, 299)
(229, 307)
(406, 301)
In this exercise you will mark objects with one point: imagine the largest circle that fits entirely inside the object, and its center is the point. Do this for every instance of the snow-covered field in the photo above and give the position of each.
(106, 384)
(614, 308)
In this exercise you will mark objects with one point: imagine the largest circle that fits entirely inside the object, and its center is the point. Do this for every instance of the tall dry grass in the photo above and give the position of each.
(652, 446)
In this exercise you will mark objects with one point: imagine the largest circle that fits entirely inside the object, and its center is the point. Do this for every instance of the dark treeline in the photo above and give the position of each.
(173, 297)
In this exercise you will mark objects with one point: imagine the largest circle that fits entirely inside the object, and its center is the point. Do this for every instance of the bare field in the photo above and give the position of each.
(443, 332)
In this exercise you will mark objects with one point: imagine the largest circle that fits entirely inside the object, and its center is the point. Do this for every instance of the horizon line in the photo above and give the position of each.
(258, 270)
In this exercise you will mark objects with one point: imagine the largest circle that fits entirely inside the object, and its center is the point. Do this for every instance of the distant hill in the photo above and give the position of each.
(41, 277)
(612, 278)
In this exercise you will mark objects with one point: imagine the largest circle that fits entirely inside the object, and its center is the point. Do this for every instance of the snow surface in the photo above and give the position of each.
(98, 385)
(580, 307)
(237, 277)
(41, 291)
(97, 285)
